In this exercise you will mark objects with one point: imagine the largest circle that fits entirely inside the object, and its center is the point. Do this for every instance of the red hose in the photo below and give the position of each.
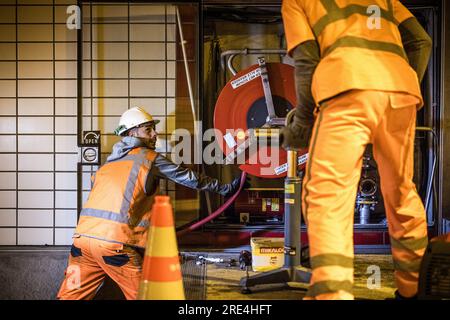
(216, 213)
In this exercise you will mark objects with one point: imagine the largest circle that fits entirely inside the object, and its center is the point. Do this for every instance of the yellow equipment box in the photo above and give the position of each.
(267, 253)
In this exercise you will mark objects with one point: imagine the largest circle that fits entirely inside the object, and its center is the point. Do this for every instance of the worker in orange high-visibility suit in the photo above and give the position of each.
(355, 87)
(112, 231)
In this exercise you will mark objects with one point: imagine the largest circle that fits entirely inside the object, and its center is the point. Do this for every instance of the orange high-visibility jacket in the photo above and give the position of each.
(360, 44)
(118, 208)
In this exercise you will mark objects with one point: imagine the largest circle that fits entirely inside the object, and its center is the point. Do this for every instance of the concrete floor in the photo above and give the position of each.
(223, 282)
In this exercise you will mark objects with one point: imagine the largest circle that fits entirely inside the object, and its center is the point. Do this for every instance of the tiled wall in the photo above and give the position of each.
(129, 60)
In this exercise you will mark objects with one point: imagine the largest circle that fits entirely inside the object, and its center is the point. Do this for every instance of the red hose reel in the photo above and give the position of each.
(242, 105)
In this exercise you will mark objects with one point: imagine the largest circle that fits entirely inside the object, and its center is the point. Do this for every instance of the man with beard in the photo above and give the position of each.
(112, 231)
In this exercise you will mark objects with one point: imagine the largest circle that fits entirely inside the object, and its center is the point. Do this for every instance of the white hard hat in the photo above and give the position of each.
(133, 118)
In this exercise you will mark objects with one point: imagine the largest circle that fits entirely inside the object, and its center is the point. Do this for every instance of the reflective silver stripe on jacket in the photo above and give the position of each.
(108, 215)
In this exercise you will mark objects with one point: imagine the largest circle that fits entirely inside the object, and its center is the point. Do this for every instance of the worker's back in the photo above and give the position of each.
(360, 44)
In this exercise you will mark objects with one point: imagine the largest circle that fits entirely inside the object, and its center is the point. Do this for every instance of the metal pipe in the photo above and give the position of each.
(230, 64)
(292, 163)
(79, 108)
(245, 51)
(188, 78)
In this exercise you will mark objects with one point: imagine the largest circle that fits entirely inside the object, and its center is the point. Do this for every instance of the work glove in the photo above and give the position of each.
(297, 133)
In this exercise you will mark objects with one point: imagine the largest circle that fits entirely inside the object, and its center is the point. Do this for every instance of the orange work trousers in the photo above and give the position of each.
(344, 126)
(90, 260)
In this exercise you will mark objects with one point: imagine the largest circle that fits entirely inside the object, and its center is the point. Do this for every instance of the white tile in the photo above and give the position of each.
(65, 2)
(110, 32)
(87, 123)
(147, 13)
(66, 199)
(171, 13)
(64, 34)
(154, 106)
(105, 124)
(35, 143)
(35, 14)
(36, 69)
(35, 88)
(148, 51)
(7, 180)
(7, 106)
(170, 106)
(35, 218)
(147, 69)
(7, 51)
(63, 236)
(35, 32)
(109, 51)
(7, 32)
(66, 162)
(87, 29)
(66, 143)
(35, 125)
(33, 107)
(86, 107)
(148, 88)
(7, 88)
(7, 144)
(7, 218)
(87, 88)
(66, 180)
(110, 88)
(110, 69)
(65, 88)
(8, 199)
(110, 107)
(105, 13)
(35, 51)
(8, 237)
(35, 162)
(7, 125)
(147, 32)
(66, 107)
(171, 85)
(65, 218)
(35, 180)
(66, 51)
(171, 32)
(171, 69)
(36, 199)
(66, 69)
(35, 236)
(7, 70)
(8, 13)
(66, 125)
(7, 162)
(171, 51)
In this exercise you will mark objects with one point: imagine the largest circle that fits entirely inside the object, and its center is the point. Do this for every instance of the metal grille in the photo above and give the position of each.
(194, 278)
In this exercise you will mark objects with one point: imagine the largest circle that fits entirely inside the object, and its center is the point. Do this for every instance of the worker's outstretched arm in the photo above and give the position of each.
(417, 44)
(164, 168)
(297, 134)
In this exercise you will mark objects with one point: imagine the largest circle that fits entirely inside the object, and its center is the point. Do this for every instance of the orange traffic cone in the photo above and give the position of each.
(161, 272)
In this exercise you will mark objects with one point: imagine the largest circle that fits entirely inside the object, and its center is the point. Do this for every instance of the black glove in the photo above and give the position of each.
(297, 134)
(233, 187)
